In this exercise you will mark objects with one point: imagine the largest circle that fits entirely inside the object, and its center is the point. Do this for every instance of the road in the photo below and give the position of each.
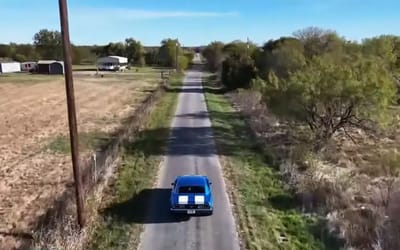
(191, 150)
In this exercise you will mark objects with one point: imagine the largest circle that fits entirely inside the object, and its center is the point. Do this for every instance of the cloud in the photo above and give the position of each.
(137, 14)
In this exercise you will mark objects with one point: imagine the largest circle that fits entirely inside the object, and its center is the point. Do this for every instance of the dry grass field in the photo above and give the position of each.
(34, 160)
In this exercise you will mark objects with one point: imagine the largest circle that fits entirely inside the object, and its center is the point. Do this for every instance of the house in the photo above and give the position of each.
(50, 67)
(113, 63)
(9, 67)
(28, 66)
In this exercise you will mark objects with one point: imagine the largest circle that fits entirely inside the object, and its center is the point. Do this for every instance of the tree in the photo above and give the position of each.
(76, 55)
(4, 50)
(19, 58)
(183, 62)
(214, 56)
(318, 41)
(238, 73)
(86, 54)
(282, 56)
(239, 49)
(151, 57)
(385, 47)
(189, 56)
(48, 44)
(238, 68)
(168, 51)
(330, 96)
(134, 51)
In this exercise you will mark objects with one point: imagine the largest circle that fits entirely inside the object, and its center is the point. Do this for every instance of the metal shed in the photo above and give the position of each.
(9, 67)
(51, 67)
(112, 63)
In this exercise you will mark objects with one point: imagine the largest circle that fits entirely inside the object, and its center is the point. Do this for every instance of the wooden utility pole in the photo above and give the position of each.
(73, 131)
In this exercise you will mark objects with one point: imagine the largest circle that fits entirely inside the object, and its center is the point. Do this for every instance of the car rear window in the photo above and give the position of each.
(191, 189)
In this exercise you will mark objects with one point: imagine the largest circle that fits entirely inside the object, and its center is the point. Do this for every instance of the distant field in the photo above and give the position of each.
(144, 69)
(26, 78)
(34, 160)
(134, 74)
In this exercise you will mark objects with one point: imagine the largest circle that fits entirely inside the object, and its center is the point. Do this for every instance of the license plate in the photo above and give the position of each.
(191, 212)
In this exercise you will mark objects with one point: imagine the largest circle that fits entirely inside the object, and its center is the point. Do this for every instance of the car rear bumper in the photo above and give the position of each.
(196, 210)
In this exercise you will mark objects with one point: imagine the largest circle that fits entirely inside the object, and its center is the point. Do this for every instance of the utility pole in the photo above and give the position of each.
(73, 131)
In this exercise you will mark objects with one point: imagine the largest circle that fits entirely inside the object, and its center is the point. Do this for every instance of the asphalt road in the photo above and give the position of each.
(191, 151)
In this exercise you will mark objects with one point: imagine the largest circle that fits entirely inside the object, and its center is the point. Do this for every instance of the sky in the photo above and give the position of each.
(199, 22)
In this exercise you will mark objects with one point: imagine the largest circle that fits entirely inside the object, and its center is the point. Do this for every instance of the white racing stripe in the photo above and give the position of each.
(198, 199)
(183, 199)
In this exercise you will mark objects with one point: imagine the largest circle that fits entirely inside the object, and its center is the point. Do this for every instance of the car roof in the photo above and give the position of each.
(188, 180)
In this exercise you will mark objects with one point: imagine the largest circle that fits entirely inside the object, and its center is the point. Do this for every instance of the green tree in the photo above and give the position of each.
(282, 56)
(27, 51)
(76, 55)
(383, 47)
(318, 41)
(134, 51)
(168, 52)
(238, 67)
(330, 96)
(111, 49)
(48, 44)
(183, 62)
(214, 55)
(238, 49)
(19, 58)
(151, 57)
(238, 72)
(86, 54)
(5, 51)
(189, 56)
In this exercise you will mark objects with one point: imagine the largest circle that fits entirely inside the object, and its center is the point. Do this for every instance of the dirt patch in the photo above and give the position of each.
(32, 116)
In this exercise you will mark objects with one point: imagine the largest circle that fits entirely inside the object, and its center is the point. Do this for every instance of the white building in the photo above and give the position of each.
(10, 67)
(27, 66)
(113, 63)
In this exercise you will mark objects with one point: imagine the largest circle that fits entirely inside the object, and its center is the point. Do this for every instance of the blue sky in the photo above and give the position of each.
(197, 22)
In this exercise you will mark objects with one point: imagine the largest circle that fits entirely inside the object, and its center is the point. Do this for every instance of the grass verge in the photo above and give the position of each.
(137, 171)
(265, 212)
(90, 140)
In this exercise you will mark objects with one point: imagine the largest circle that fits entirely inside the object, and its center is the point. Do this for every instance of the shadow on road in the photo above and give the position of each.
(197, 141)
(147, 207)
(195, 88)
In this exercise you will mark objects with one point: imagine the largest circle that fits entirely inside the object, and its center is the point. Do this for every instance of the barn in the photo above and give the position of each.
(10, 67)
(113, 63)
(50, 67)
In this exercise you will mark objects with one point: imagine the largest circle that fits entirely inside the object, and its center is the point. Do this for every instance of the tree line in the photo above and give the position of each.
(316, 77)
(47, 44)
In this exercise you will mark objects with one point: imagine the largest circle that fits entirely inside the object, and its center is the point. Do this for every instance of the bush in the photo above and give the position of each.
(359, 93)
(238, 73)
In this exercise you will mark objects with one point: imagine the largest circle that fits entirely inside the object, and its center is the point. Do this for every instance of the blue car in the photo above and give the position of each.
(191, 194)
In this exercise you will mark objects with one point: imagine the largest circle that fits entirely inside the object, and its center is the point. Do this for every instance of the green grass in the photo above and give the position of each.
(136, 173)
(145, 69)
(265, 210)
(92, 140)
(26, 78)
(89, 67)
